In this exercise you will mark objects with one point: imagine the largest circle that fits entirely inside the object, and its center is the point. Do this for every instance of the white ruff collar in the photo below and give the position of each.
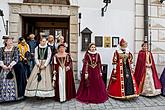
(50, 43)
(120, 50)
(92, 52)
(42, 46)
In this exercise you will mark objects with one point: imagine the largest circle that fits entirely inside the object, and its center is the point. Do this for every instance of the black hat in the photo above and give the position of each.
(21, 39)
(7, 37)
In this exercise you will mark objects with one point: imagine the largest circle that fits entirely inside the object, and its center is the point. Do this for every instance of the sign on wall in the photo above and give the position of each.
(99, 41)
(107, 41)
(115, 41)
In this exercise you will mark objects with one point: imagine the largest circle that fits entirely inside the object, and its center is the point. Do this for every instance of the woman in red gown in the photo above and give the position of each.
(122, 83)
(92, 88)
(63, 75)
(146, 74)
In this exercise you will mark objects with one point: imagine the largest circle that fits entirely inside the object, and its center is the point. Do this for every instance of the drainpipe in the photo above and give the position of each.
(146, 20)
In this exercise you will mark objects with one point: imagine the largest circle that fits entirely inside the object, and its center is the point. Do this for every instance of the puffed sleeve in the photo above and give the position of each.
(15, 57)
(69, 61)
(114, 60)
(36, 56)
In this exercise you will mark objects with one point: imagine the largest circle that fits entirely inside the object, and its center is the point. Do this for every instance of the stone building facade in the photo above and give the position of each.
(156, 30)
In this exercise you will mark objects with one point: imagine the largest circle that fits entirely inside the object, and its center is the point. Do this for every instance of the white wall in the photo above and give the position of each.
(118, 21)
(5, 7)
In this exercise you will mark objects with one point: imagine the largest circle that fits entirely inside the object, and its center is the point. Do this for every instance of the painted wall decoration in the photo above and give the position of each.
(107, 41)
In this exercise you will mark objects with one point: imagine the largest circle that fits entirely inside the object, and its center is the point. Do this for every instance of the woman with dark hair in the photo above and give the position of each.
(8, 83)
(145, 73)
(63, 75)
(92, 88)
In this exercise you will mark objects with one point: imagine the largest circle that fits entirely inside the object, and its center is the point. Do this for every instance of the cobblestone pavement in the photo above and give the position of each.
(141, 103)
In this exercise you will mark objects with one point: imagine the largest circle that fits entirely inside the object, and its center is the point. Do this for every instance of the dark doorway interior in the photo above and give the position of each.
(47, 25)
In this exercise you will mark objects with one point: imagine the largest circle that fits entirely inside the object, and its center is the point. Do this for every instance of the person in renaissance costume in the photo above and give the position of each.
(61, 40)
(92, 88)
(32, 45)
(51, 44)
(145, 73)
(24, 53)
(9, 56)
(63, 75)
(122, 84)
(162, 80)
(40, 80)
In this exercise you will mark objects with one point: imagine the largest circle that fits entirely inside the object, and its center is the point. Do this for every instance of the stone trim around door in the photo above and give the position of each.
(17, 10)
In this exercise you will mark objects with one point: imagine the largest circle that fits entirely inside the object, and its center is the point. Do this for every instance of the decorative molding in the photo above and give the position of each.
(161, 59)
(157, 49)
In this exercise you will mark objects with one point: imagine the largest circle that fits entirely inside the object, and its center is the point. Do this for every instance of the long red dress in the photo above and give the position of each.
(64, 83)
(147, 75)
(122, 84)
(93, 89)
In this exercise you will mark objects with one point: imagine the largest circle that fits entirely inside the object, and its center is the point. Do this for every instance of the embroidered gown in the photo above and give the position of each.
(8, 87)
(122, 84)
(162, 79)
(92, 90)
(146, 77)
(64, 80)
(43, 88)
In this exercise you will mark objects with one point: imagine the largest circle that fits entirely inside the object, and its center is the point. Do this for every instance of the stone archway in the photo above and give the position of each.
(17, 10)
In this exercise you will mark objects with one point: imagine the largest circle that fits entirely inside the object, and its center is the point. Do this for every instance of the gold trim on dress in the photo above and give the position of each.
(125, 97)
(93, 63)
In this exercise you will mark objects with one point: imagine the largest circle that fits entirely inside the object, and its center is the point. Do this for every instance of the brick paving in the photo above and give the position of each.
(141, 103)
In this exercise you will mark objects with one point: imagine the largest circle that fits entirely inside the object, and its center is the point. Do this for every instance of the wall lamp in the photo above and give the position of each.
(104, 9)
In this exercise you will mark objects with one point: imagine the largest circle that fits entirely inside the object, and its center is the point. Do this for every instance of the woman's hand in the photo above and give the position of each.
(86, 75)
(67, 68)
(5, 67)
(148, 65)
(42, 67)
(114, 70)
(9, 67)
(38, 65)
